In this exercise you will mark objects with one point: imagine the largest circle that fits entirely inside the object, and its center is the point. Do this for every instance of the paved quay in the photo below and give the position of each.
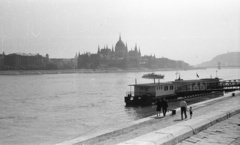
(170, 129)
(226, 132)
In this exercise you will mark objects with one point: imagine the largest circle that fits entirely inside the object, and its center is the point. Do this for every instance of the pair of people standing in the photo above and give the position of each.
(183, 105)
(161, 105)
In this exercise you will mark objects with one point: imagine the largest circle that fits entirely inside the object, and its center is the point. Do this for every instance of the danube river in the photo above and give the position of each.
(52, 108)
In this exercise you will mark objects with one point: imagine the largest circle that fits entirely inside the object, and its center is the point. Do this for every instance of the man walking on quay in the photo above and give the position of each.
(164, 106)
(183, 106)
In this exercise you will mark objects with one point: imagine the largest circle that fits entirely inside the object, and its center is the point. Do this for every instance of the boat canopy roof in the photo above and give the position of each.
(152, 84)
(153, 76)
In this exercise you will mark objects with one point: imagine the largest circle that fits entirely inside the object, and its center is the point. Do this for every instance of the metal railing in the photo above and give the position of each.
(197, 87)
(132, 93)
(228, 84)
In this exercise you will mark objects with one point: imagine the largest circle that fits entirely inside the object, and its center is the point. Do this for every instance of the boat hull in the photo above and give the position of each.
(139, 101)
(145, 100)
(148, 101)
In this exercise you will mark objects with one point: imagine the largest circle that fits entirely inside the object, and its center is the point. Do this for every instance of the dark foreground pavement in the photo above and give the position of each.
(226, 132)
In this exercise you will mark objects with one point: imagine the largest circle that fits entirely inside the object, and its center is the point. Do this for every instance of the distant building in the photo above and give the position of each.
(121, 50)
(106, 58)
(88, 61)
(134, 57)
(118, 57)
(61, 63)
(2, 60)
(24, 61)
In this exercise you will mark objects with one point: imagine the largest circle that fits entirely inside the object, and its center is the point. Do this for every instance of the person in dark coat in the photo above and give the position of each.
(164, 107)
(183, 105)
(159, 106)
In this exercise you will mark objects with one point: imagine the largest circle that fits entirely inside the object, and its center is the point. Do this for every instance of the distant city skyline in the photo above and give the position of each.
(189, 30)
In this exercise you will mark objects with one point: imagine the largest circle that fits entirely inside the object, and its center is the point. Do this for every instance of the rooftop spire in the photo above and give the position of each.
(98, 49)
(135, 46)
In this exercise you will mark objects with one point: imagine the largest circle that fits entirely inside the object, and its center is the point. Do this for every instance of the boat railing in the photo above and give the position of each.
(132, 93)
(208, 86)
(230, 82)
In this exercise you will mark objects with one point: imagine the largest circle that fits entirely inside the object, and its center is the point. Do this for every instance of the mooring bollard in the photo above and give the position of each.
(173, 112)
(233, 94)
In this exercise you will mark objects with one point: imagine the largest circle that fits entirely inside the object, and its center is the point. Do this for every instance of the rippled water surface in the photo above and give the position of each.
(48, 109)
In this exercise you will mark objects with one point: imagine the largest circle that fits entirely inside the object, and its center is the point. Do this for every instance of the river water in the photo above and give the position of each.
(49, 109)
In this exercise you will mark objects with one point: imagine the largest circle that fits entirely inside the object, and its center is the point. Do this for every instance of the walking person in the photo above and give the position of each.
(159, 106)
(191, 112)
(183, 106)
(164, 106)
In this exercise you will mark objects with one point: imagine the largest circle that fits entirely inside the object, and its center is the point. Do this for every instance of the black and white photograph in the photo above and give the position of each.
(119, 72)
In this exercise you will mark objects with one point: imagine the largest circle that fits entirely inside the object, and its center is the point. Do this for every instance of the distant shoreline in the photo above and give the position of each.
(114, 70)
(70, 71)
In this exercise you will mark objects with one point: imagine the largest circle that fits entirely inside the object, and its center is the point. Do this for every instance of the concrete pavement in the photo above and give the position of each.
(226, 132)
(180, 131)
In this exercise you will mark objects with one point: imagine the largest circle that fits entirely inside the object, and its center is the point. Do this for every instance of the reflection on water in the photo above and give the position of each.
(140, 112)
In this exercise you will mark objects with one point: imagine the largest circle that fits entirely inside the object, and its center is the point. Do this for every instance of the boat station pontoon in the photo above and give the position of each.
(147, 93)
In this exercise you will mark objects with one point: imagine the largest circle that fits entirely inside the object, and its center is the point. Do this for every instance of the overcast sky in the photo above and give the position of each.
(190, 30)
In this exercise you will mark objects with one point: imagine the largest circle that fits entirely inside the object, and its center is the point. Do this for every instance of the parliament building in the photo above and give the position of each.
(115, 57)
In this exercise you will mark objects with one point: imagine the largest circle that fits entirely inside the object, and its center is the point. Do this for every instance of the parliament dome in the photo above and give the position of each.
(119, 45)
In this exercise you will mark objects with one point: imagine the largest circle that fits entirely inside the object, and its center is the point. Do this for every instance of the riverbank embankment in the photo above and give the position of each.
(153, 124)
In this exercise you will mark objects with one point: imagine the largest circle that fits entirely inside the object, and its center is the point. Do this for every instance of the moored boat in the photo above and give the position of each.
(147, 93)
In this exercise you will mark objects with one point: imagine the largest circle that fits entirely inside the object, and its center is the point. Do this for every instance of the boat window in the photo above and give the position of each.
(171, 87)
(165, 88)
